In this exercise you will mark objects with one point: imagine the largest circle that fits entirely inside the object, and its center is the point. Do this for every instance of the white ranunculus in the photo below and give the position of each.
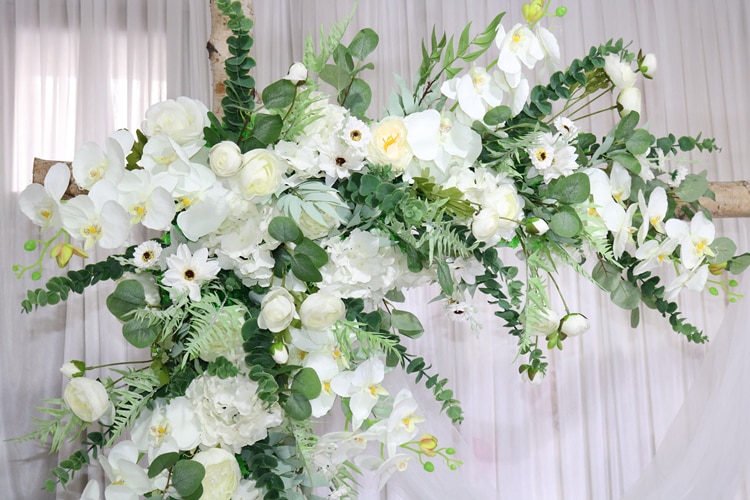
(261, 174)
(87, 398)
(544, 323)
(225, 158)
(620, 72)
(297, 73)
(484, 225)
(648, 65)
(280, 353)
(321, 310)
(574, 324)
(182, 120)
(222, 474)
(276, 310)
(630, 100)
(389, 145)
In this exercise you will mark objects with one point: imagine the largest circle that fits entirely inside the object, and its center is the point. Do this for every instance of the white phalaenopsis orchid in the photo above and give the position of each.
(128, 479)
(188, 271)
(517, 46)
(41, 204)
(92, 163)
(620, 183)
(401, 425)
(692, 279)
(653, 214)
(172, 424)
(148, 199)
(653, 254)
(363, 387)
(476, 93)
(326, 368)
(97, 218)
(695, 238)
(620, 223)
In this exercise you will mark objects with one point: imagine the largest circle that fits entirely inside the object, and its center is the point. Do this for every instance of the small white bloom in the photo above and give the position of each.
(357, 134)
(620, 223)
(692, 279)
(222, 473)
(146, 254)
(276, 310)
(321, 310)
(225, 158)
(519, 45)
(128, 479)
(69, 370)
(182, 119)
(653, 254)
(87, 398)
(648, 66)
(574, 324)
(653, 214)
(542, 152)
(174, 422)
(297, 73)
(41, 204)
(187, 271)
(476, 93)
(695, 238)
(363, 387)
(261, 174)
(566, 128)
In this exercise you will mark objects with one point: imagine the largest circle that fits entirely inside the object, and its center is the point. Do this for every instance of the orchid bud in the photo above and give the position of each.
(532, 12)
(62, 252)
(717, 269)
(428, 444)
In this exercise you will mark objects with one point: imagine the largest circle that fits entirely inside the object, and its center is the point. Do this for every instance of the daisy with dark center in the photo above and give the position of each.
(146, 254)
(187, 271)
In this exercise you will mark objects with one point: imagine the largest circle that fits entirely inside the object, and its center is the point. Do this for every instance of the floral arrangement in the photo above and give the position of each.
(287, 231)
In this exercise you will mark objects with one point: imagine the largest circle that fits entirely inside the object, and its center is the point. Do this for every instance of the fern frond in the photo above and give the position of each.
(213, 329)
(326, 45)
(135, 389)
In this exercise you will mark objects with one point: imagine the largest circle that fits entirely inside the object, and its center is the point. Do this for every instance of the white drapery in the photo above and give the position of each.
(76, 70)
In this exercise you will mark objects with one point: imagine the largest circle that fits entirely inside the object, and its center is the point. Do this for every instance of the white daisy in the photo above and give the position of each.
(188, 271)
(356, 134)
(146, 254)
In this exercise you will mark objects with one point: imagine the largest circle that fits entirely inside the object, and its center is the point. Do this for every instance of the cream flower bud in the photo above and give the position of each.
(70, 370)
(280, 353)
(574, 324)
(536, 226)
(222, 473)
(321, 310)
(544, 323)
(276, 310)
(620, 72)
(261, 174)
(87, 398)
(648, 65)
(297, 73)
(629, 100)
(225, 158)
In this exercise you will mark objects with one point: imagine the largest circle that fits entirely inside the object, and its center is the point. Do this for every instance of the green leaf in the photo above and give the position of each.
(628, 161)
(739, 263)
(626, 295)
(162, 462)
(571, 189)
(566, 223)
(359, 97)
(267, 128)
(284, 229)
(313, 251)
(297, 407)
(724, 249)
(363, 43)
(626, 126)
(635, 317)
(339, 78)
(140, 333)
(444, 278)
(306, 383)
(127, 297)
(279, 94)
(406, 323)
(304, 269)
(693, 187)
(639, 142)
(187, 476)
(606, 275)
(497, 115)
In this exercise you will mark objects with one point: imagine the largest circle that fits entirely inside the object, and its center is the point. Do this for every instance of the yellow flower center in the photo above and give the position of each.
(541, 154)
(389, 141)
(46, 214)
(355, 135)
(91, 231)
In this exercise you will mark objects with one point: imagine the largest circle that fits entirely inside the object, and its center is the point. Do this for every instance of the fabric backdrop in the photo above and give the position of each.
(72, 71)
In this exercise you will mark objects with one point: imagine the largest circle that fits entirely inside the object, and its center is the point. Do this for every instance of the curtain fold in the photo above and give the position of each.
(75, 70)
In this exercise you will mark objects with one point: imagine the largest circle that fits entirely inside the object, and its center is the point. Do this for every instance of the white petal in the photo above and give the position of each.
(57, 180)
(116, 225)
(423, 133)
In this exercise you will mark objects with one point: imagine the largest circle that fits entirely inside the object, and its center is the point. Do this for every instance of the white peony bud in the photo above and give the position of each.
(222, 473)
(321, 310)
(261, 174)
(536, 226)
(574, 324)
(620, 72)
(648, 65)
(280, 353)
(276, 310)
(485, 224)
(225, 158)
(543, 324)
(629, 100)
(297, 73)
(70, 370)
(87, 398)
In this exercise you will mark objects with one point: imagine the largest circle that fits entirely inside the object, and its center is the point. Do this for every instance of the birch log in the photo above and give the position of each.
(732, 198)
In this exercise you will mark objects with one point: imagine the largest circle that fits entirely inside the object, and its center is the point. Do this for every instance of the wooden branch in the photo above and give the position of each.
(218, 52)
(41, 167)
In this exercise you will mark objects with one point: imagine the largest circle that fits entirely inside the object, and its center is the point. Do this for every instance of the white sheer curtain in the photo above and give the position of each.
(73, 71)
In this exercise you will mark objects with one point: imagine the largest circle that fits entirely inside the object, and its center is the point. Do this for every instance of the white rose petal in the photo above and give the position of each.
(276, 310)
(574, 324)
(225, 158)
(630, 100)
(321, 310)
(87, 398)
(222, 474)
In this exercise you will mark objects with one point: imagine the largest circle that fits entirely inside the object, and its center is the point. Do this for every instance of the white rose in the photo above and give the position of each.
(87, 398)
(545, 323)
(69, 370)
(388, 145)
(574, 324)
(506, 203)
(225, 158)
(222, 474)
(182, 120)
(276, 310)
(648, 65)
(280, 353)
(485, 225)
(297, 73)
(630, 100)
(321, 310)
(261, 174)
(620, 72)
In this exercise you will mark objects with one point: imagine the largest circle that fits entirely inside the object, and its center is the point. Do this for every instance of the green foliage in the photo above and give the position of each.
(451, 406)
(131, 393)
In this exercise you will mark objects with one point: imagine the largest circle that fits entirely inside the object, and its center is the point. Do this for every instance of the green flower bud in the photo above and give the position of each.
(561, 11)
(29, 246)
